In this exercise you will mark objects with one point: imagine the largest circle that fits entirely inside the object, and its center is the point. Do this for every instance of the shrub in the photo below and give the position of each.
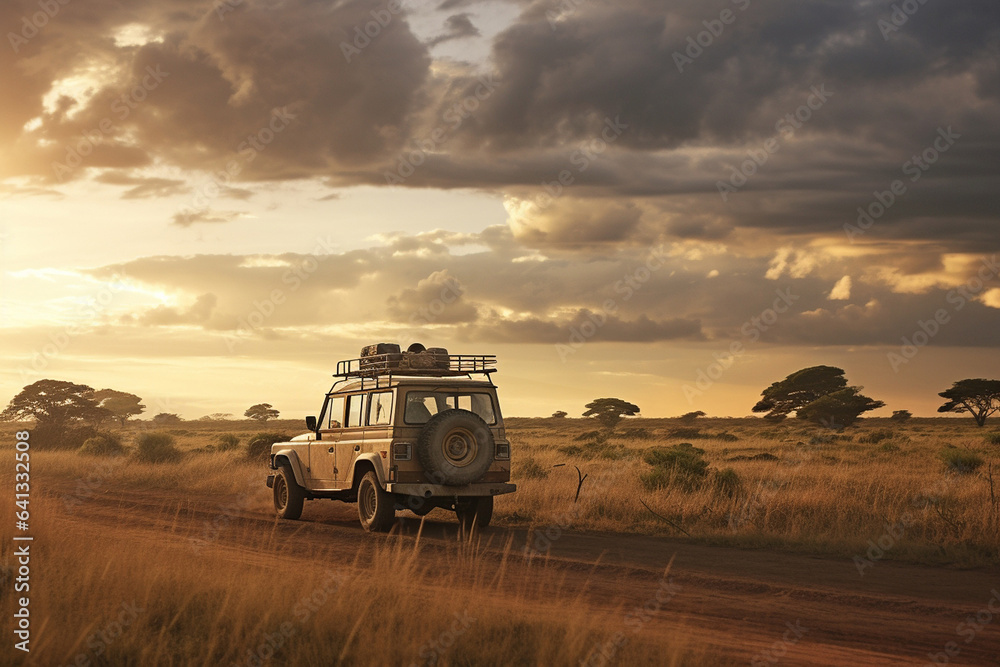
(593, 436)
(103, 444)
(259, 444)
(640, 433)
(684, 464)
(227, 442)
(655, 479)
(993, 438)
(888, 447)
(531, 469)
(689, 433)
(960, 460)
(901, 415)
(727, 482)
(156, 448)
(876, 436)
(49, 436)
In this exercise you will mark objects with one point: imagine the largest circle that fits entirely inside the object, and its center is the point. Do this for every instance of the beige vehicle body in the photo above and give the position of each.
(375, 423)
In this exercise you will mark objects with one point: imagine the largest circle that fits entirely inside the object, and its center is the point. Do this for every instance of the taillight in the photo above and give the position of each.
(402, 451)
(503, 450)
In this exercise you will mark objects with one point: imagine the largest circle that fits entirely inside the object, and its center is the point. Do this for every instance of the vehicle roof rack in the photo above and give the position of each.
(422, 365)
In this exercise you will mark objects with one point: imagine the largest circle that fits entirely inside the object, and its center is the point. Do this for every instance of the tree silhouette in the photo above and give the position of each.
(800, 389)
(559, 414)
(838, 409)
(261, 412)
(609, 411)
(979, 397)
(55, 403)
(120, 404)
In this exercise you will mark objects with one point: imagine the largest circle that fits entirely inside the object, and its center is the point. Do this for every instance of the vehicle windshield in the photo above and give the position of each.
(422, 405)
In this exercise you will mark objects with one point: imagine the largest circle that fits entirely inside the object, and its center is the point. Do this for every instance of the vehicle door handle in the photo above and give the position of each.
(330, 450)
(357, 448)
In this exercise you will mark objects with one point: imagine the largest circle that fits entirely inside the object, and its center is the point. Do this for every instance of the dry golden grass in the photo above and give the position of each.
(108, 596)
(221, 604)
(827, 492)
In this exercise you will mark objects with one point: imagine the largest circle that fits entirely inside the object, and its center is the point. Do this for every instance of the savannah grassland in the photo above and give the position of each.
(232, 586)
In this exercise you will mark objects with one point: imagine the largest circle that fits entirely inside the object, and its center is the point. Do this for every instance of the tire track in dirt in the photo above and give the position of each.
(732, 603)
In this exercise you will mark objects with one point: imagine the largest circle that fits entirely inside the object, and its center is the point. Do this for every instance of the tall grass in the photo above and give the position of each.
(389, 604)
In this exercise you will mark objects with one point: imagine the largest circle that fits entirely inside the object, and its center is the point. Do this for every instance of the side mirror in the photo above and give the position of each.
(311, 422)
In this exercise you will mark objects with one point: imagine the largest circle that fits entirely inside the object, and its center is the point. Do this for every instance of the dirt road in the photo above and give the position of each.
(737, 606)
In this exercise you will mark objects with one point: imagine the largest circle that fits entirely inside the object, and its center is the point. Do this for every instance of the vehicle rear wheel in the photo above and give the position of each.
(474, 512)
(456, 446)
(288, 495)
(375, 507)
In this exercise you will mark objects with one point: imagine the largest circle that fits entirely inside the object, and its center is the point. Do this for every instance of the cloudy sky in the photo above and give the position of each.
(674, 202)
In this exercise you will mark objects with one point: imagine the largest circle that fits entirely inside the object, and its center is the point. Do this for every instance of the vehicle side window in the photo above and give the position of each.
(380, 409)
(335, 412)
(355, 408)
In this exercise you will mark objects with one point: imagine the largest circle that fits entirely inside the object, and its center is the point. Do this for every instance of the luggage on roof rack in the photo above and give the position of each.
(386, 359)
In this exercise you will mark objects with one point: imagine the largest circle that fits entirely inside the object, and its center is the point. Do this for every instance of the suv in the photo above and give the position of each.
(401, 430)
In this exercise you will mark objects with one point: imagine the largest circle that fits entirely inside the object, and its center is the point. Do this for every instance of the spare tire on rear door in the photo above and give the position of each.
(455, 447)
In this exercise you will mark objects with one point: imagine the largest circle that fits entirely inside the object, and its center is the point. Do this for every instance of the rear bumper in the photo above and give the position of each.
(440, 490)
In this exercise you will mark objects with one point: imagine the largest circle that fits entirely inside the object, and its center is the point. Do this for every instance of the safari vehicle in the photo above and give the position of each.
(411, 430)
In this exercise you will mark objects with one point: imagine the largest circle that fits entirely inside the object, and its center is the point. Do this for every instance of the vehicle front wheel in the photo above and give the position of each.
(476, 511)
(288, 495)
(375, 507)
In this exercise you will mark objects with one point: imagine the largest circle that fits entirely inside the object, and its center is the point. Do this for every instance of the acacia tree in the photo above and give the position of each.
(800, 389)
(167, 418)
(120, 404)
(689, 417)
(979, 397)
(261, 412)
(609, 411)
(55, 404)
(559, 414)
(838, 409)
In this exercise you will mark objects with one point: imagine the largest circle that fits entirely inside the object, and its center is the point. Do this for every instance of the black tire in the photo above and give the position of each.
(375, 506)
(455, 447)
(288, 495)
(475, 512)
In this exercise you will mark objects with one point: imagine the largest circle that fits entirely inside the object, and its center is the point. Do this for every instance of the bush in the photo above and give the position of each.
(682, 464)
(49, 436)
(531, 469)
(103, 444)
(876, 436)
(727, 482)
(593, 436)
(227, 442)
(688, 433)
(961, 461)
(993, 438)
(259, 444)
(156, 448)
(640, 433)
